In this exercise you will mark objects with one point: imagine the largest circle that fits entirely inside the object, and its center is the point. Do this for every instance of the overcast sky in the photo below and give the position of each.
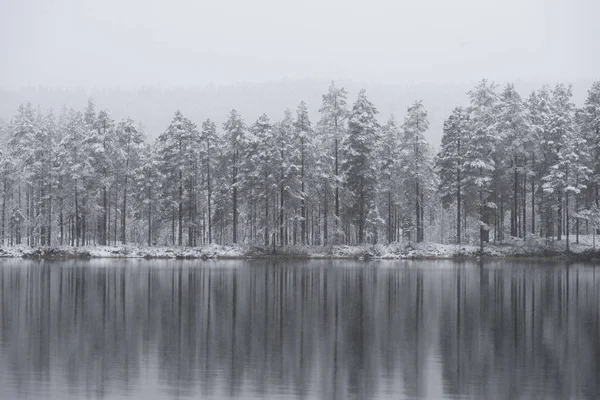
(192, 42)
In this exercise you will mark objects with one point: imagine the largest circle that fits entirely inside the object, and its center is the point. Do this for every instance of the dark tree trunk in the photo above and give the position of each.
(149, 213)
(234, 201)
(266, 216)
(524, 206)
(533, 206)
(325, 218)
(180, 211)
(303, 205)
(389, 224)
(567, 218)
(418, 213)
(76, 219)
(209, 198)
(458, 220)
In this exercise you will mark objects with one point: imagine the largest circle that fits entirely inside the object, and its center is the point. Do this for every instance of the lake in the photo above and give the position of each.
(163, 329)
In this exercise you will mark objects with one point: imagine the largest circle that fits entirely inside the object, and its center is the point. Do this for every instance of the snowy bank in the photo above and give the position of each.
(532, 247)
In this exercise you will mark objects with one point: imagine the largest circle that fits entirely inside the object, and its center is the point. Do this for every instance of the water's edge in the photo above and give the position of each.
(366, 253)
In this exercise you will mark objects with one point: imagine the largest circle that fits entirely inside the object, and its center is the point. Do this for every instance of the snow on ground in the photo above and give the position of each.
(532, 246)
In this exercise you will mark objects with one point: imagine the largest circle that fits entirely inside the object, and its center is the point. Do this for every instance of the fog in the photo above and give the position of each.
(145, 59)
(149, 42)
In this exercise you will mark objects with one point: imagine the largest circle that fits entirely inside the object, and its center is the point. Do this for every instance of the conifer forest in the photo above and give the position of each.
(508, 167)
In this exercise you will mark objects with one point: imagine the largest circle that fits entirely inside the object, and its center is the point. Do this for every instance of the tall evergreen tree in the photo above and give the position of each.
(480, 152)
(450, 163)
(417, 165)
(359, 165)
(234, 136)
(334, 114)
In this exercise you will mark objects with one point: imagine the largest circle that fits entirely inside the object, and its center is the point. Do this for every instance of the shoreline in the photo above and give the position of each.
(420, 251)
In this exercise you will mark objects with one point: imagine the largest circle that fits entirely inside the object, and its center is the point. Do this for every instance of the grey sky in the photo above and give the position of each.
(146, 42)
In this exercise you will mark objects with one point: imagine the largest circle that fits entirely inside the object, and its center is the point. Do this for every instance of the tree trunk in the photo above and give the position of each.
(209, 199)
(76, 219)
(325, 218)
(266, 215)
(303, 205)
(515, 212)
(190, 240)
(533, 206)
(389, 234)
(577, 219)
(567, 217)
(4, 195)
(458, 219)
(180, 210)
(116, 214)
(281, 227)
(422, 238)
(234, 201)
(559, 217)
(337, 190)
(124, 212)
(149, 213)
(524, 206)
(418, 213)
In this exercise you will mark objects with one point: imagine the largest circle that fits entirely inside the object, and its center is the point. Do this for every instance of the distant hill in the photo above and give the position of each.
(154, 106)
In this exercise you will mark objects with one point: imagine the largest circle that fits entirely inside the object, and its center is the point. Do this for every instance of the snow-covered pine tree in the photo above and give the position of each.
(146, 188)
(417, 164)
(129, 142)
(590, 127)
(334, 115)
(303, 137)
(360, 165)
(260, 167)
(569, 174)
(105, 163)
(288, 173)
(177, 148)
(389, 153)
(479, 152)
(210, 141)
(514, 130)
(235, 130)
(450, 164)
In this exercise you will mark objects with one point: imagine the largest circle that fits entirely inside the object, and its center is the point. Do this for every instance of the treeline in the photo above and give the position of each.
(523, 166)
(81, 178)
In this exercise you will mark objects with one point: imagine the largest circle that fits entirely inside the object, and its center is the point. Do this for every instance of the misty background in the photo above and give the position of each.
(145, 59)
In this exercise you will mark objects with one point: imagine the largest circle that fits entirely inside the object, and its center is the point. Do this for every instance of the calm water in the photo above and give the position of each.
(311, 330)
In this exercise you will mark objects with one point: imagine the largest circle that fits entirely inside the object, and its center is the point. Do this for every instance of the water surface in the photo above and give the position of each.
(141, 329)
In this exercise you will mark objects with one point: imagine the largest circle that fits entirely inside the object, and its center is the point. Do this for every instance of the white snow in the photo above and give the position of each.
(512, 247)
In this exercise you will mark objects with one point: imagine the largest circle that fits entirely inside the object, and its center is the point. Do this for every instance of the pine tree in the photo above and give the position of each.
(259, 165)
(389, 154)
(450, 162)
(514, 129)
(570, 174)
(105, 159)
(417, 164)
(210, 141)
(234, 136)
(479, 154)
(334, 114)
(359, 165)
(303, 135)
(178, 147)
(129, 141)
(590, 126)
(146, 187)
(289, 185)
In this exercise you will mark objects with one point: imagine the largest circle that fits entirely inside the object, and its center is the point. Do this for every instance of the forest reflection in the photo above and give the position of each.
(306, 329)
